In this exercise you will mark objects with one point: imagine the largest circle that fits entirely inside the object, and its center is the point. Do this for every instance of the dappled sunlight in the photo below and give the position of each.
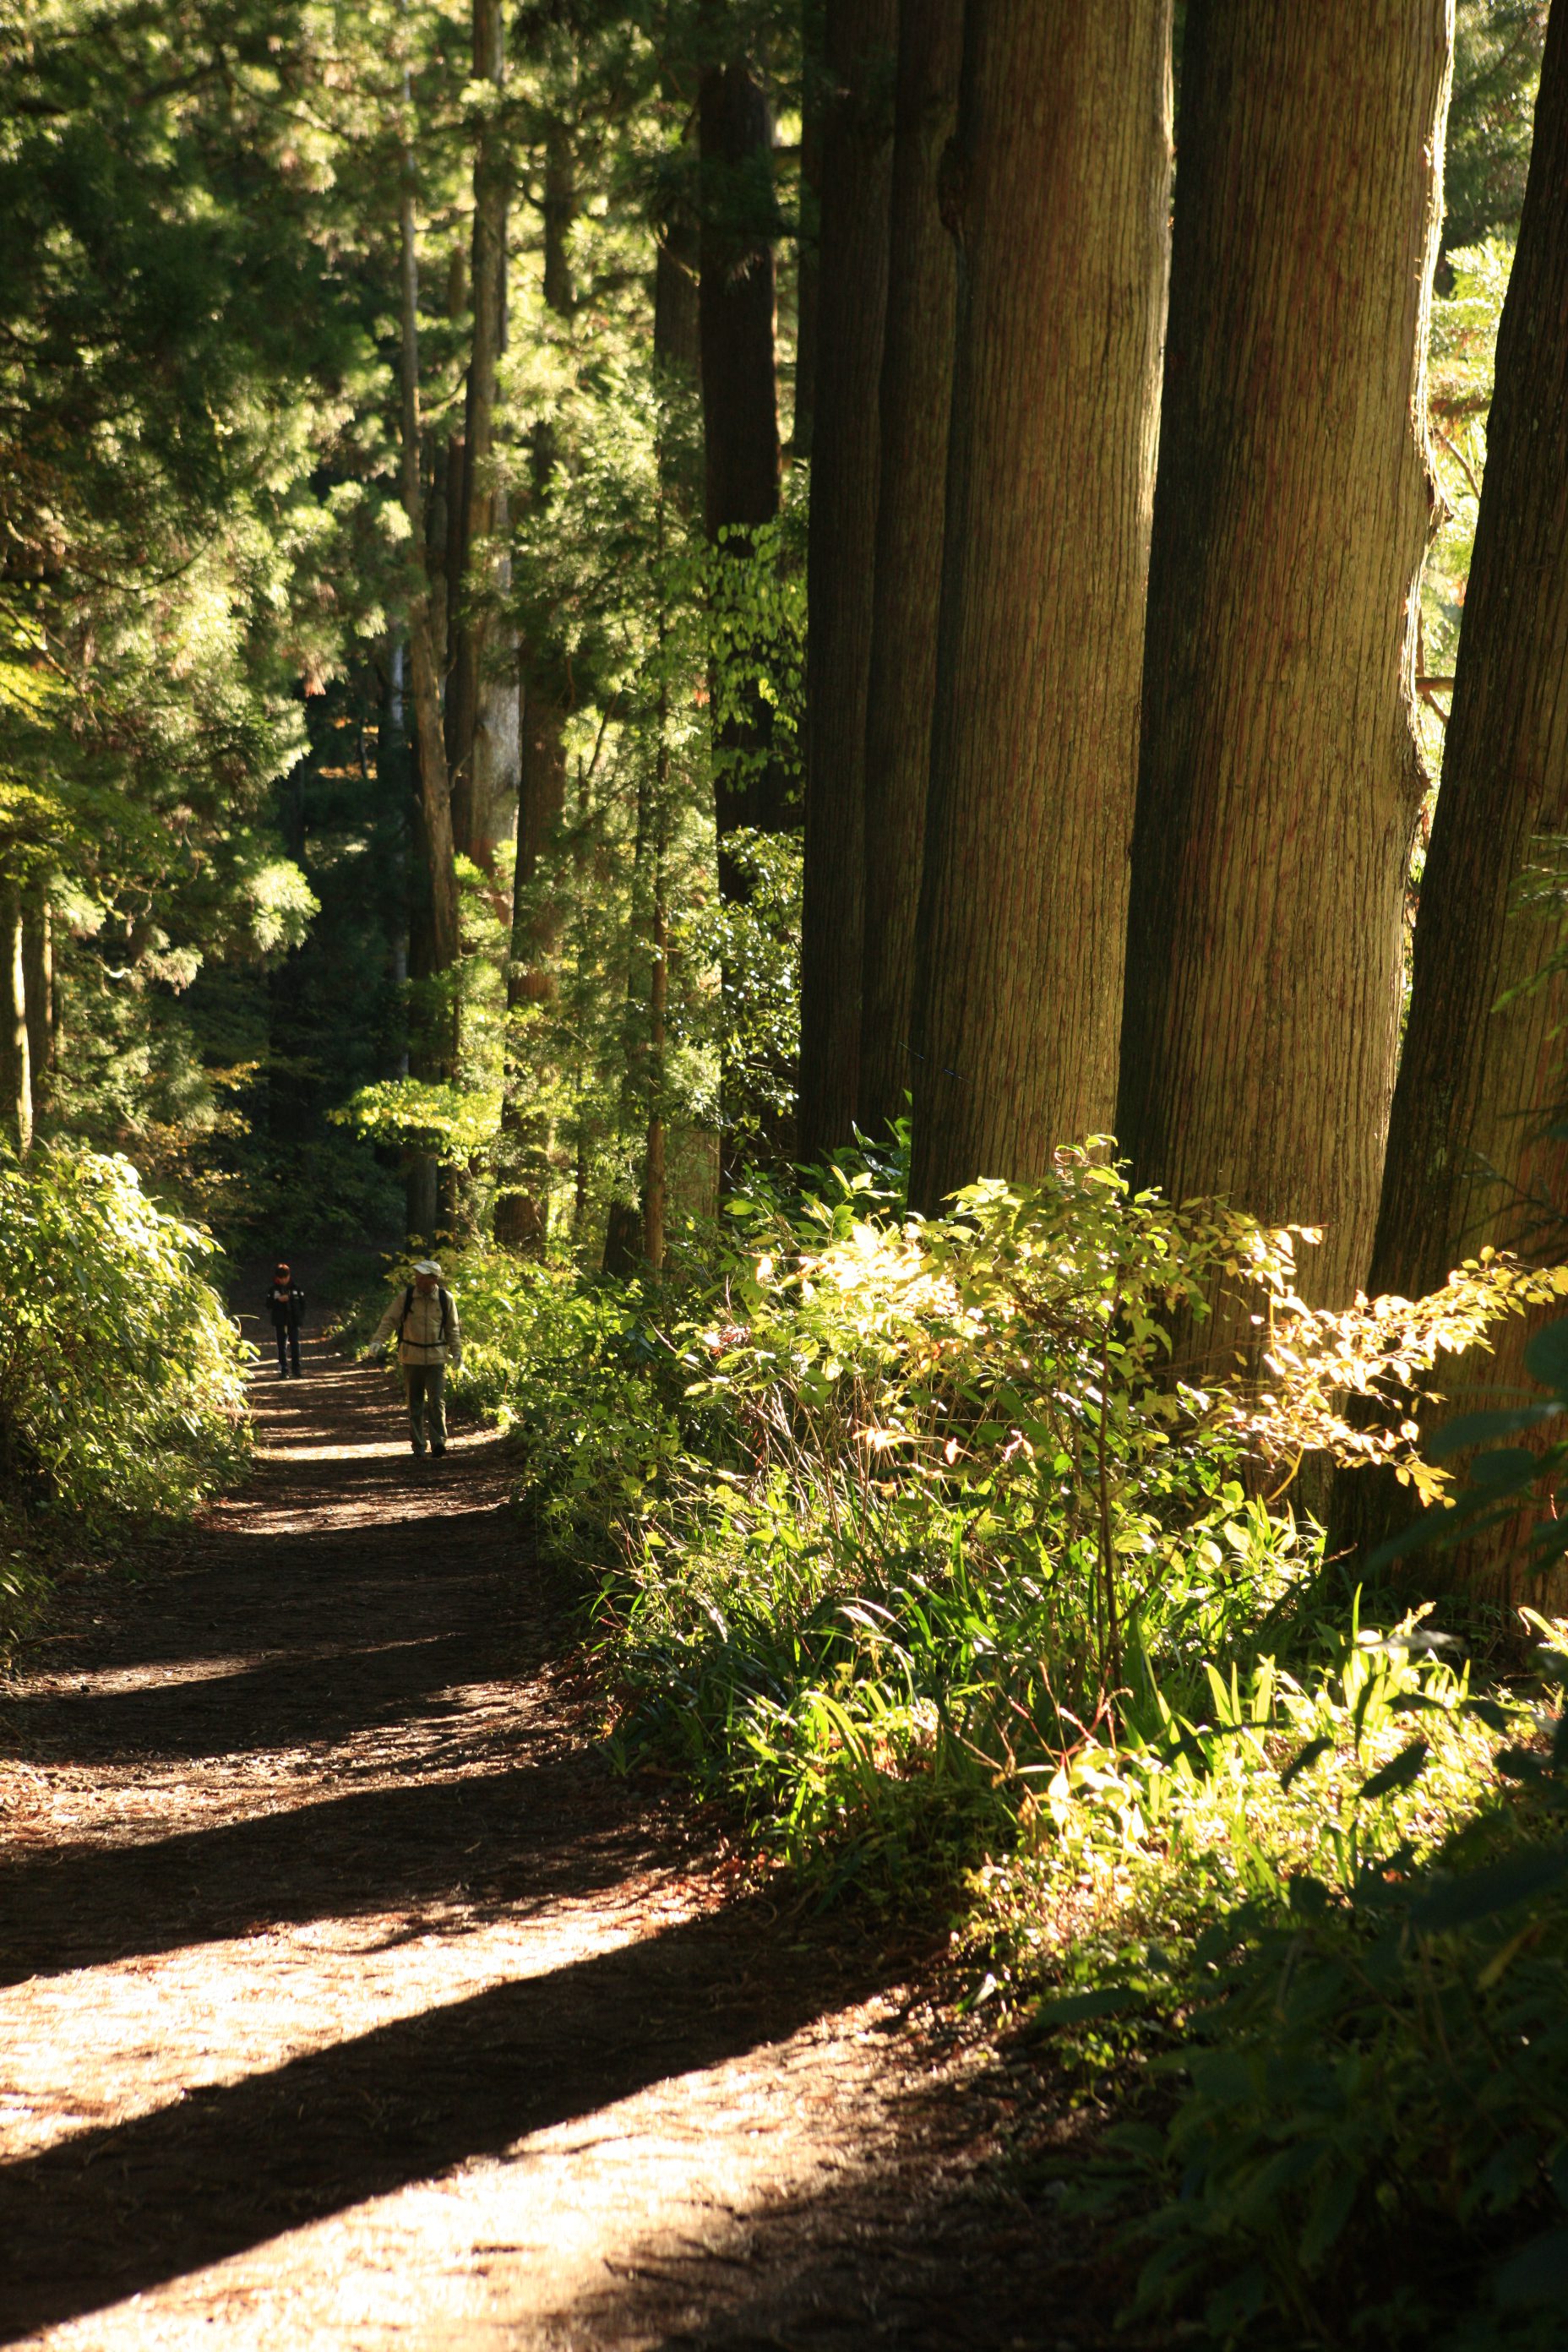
(401, 2018)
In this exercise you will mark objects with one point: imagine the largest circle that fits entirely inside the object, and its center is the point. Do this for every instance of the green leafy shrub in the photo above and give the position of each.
(120, 1375)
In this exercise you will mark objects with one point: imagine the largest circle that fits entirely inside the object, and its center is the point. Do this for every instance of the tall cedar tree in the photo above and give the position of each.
(1471, 1155)
(1058, 193)
(1280, 781)
(859, 50)
(473, 716)
(521, 1211)
(914, 398)
(736, 290)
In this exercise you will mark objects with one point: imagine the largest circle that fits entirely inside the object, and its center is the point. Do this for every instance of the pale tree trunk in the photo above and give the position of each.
(38, 982)
(655, 1190)
(472, 802)
(16, 1072)
(860, 49)
(915, 395)
(1280, 782)
(1472, 1160)
(1057, 192)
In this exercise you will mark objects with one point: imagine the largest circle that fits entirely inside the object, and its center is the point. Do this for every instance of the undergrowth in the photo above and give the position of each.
(122, 1396)
(925, 1559)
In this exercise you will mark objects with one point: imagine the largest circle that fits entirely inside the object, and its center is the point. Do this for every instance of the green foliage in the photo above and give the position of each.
(1371, 2133)
(1497, 68)
(121, 1376)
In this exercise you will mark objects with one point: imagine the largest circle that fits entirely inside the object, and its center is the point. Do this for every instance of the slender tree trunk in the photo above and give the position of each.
(915, 398)
(1280, 782)
(523, 1207)
(740, 396)
(857, 179)
(38, 982)
(654, 1200)
(1472, 1159)
(16, 1072)
(470, 620)
(1057, 192)
(435, 794)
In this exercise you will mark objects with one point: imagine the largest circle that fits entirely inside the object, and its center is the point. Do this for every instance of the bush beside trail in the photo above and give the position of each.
(121, 1375)
(905, 1541)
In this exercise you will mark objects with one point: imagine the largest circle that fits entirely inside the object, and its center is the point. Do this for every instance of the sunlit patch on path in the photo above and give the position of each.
(346, 1995)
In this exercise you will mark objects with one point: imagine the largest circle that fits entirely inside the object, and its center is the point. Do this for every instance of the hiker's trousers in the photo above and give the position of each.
(427, 1385)
(288, 1345)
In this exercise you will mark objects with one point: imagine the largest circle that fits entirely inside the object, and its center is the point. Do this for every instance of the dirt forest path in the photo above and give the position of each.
(349, 1998)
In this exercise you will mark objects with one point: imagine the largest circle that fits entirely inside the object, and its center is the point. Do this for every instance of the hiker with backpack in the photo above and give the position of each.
(425, 1317)
(285, 1303)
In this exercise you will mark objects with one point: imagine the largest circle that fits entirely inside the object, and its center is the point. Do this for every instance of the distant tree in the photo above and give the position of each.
(1497, 64)
(1058, 193)
(1279, 779)
(914, 398)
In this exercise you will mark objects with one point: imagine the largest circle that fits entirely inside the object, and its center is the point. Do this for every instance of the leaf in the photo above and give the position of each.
(1067, 2009)
(1398, 1773)
(1537, 2274)
(1546, 1356)
(1497, 1887)
(1305, 1758)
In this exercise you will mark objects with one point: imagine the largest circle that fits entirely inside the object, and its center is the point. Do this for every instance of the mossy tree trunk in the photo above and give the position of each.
(1057, 192)
(1279, 780)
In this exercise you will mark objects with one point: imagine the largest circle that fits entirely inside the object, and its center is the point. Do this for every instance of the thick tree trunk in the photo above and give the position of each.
(16, 1072)
(1280, 781)
(915, 397)
(740, 394)
(861, 47)
(465, 691)
(1057, 190)
(1472, 1160)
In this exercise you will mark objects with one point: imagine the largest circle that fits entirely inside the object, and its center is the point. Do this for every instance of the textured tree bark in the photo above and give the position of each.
(915, 396)
(1470, 1159)
(15, 1072)
(860, 52)
(470, 627)
(1057, 190)
(1280, 781)
(740, 394)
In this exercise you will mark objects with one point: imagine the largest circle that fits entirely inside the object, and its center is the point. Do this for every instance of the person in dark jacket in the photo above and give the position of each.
(286, 1305)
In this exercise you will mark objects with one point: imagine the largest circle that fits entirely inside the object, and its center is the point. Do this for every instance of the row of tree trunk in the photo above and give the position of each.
(1112, 775)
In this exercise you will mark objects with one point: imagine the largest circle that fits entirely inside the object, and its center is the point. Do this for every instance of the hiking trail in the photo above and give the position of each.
(349, 1998)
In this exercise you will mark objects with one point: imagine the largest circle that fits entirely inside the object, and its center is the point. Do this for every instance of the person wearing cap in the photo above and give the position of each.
(429, 1338)
(285, 1303)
